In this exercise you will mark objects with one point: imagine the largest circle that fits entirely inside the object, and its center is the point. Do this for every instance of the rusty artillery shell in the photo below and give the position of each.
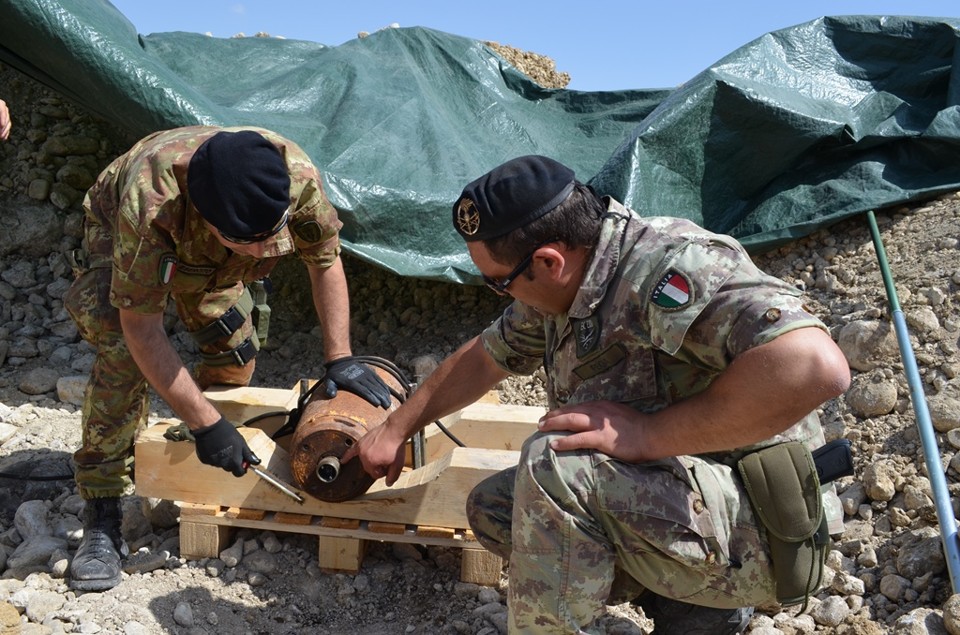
(327, 428)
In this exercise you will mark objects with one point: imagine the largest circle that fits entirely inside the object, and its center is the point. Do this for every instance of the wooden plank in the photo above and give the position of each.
(339, 523)
(480, 567)
(342, 542)
(286, 518)
(241, 403)
(436, 532)
(386, 528)
(201, 540)
(483, 425)
(197, 509)
(431, 495)
(491, 396)
(341, 554)
(360, 530)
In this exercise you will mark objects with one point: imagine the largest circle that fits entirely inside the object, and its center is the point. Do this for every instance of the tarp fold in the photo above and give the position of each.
(791, 132)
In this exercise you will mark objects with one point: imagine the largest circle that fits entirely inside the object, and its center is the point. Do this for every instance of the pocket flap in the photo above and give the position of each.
(783, 486)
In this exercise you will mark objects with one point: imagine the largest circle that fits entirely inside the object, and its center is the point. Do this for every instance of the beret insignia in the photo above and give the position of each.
(468, 218)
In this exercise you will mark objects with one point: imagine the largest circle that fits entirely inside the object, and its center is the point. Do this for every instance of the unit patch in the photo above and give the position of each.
(587, 333)
(672, 292)
(168, 267)
(308, 231)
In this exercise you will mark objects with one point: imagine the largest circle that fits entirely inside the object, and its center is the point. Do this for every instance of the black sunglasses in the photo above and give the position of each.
(259, 237)
(500, 286)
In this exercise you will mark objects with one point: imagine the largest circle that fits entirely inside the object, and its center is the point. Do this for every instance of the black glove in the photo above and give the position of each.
(220, 445)
(358, 378)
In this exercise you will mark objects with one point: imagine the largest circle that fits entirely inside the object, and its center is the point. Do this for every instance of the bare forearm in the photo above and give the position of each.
(332, 302)
(761, 394)
(459, 381)
(164, 369)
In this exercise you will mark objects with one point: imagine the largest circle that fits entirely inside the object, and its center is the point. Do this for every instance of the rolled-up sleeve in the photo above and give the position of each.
(516, 340)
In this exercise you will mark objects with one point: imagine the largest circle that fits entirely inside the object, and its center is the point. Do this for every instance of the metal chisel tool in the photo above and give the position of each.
(276, 482)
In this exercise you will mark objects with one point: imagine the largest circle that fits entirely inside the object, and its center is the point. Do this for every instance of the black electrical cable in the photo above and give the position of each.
(392, 368)
(24, 477)
(293, 416)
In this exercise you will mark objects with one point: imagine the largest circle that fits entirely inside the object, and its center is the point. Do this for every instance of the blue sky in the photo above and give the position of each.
(603, 44)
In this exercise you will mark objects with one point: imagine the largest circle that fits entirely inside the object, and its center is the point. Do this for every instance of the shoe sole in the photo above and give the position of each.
(103, 584)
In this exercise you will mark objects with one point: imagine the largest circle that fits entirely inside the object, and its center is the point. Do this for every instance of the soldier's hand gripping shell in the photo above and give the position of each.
(220, 445)
(353, 376)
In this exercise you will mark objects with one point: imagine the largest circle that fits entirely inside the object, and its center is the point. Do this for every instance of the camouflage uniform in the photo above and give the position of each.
(145, 243)
(663, 309)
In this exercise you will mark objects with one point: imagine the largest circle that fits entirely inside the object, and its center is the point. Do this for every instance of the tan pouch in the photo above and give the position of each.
(784, 490)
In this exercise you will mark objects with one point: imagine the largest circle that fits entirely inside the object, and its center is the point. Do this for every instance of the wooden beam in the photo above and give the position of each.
(483, 425)
(240, 403)
(334, 527)
(205, 531)
(341, 554)
(480, 567)
(431, 495)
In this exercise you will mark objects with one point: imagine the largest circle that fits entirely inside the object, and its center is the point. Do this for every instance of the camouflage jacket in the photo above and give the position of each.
(664, 307)
(139, 220)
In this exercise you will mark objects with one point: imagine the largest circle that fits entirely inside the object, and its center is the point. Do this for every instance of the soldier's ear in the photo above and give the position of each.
(549, 261)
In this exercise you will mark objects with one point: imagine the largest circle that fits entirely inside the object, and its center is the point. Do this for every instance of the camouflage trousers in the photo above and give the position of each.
(581, 530)
(116, 397)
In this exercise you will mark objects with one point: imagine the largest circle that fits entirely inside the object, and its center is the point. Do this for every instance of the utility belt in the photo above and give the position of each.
(252, 303)
(783, 484)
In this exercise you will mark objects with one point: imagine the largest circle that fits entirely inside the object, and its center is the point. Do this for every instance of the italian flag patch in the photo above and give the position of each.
(168, 266)
(672, 292)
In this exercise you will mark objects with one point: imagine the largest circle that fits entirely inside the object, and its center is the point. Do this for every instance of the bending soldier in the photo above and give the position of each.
(193, 215)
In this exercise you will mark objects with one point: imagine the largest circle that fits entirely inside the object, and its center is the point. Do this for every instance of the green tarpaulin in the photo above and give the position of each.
(795, 130)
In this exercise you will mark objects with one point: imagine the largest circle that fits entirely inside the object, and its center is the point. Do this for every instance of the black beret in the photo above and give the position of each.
(511, 196)
(239, 182)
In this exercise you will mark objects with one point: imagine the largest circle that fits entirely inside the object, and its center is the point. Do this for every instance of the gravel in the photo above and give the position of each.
(887, 573)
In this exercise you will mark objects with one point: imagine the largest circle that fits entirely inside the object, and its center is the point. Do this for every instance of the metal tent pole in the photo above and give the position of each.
(931, 451)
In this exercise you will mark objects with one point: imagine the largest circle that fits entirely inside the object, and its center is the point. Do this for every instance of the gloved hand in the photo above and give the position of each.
(358, 378)
(220, 445)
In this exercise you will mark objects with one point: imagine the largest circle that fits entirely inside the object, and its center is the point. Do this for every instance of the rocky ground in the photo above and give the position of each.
(887, 573)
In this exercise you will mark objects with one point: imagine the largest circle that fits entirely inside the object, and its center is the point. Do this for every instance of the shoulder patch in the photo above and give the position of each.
(672, 292)
(168, 267)
(308, 231)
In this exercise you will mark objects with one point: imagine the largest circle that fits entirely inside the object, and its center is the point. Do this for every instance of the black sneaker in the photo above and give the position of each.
(672, 617)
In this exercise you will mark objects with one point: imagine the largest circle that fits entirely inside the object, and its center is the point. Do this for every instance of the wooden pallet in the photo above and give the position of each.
(206, 530)
(425, 506)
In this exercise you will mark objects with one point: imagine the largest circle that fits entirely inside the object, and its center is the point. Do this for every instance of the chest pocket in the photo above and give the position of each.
(192, 278)
(195, 278)
(616, 373)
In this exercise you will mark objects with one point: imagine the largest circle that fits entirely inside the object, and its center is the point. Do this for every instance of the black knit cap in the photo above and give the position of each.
(511, 196)
(239, 183)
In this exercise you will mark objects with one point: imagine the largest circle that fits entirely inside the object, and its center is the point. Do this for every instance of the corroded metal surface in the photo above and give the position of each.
(327, 428)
